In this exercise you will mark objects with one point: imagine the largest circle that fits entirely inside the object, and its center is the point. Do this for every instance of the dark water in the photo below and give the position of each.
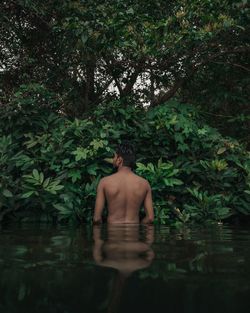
(124, 269)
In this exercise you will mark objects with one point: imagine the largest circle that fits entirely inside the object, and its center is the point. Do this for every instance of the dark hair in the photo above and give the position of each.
(126, 151)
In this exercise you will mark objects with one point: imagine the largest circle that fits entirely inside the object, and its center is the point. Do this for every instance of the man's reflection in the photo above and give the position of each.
(124, 251)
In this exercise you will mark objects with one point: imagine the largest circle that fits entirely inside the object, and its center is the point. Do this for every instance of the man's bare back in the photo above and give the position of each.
(124, 191)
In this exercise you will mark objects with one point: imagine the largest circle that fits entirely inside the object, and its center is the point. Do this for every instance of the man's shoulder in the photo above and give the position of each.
(144, 183)
(108, 178)
(143, 180)
(113, 177)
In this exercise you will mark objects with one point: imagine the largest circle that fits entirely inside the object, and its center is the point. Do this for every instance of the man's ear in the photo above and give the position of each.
(120, 159)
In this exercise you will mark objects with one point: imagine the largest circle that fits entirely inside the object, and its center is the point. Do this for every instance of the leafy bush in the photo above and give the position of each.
(51, 165)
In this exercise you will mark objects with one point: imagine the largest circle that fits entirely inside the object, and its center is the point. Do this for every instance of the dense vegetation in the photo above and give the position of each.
(77, 77)
(51, 164)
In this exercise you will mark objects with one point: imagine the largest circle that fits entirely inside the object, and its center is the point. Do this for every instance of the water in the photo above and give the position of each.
(124, 269)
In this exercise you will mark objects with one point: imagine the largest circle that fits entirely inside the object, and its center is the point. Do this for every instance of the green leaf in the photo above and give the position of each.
(224, 212)
(46, 182)
(176, 181)
(32, 144)
(109, 160)
(58, 187)
(173, 173)
(80, 153)
(27, 194)
(140, 166)
(75, 175)
(61, 208)
(221, 150)
(66, 161)
(52, 191)
(56, 182)
(36, 174)
(151, 167)
(130, 11)
(84, 38)
(7, 193)
(168, 182)
(98, 143)
(31, 180)
(91, 170)
(41, 178)
(240, 27)
(202, 131)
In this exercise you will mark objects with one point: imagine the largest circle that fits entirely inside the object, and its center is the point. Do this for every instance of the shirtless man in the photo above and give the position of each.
(124, 191)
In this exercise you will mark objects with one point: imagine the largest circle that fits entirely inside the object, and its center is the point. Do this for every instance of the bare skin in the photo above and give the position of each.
(123, 249)
(124, 192)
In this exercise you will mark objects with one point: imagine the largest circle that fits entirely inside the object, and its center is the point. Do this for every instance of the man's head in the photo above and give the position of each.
(124, 155)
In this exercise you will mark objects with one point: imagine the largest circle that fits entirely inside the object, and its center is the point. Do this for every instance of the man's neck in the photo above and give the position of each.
(124, 169)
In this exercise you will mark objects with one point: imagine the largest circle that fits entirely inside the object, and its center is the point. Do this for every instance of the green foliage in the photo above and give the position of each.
(197, 51)
(51, 165)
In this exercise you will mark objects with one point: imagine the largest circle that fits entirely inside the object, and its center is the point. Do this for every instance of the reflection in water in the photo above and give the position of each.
(124, 251)
(124, 269)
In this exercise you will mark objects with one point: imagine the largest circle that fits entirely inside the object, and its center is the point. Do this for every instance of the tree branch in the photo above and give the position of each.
(110, 69)
(131, 81)
(179, 82)
(234, 64)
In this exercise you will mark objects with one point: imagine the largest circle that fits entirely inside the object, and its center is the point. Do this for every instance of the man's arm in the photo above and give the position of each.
(97, 255)
(99, 203)
(148, 207)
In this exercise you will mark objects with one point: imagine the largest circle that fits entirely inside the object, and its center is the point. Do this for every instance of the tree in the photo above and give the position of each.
(90, 51)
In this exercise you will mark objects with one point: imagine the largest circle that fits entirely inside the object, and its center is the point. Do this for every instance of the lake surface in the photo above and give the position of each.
(134, 268)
